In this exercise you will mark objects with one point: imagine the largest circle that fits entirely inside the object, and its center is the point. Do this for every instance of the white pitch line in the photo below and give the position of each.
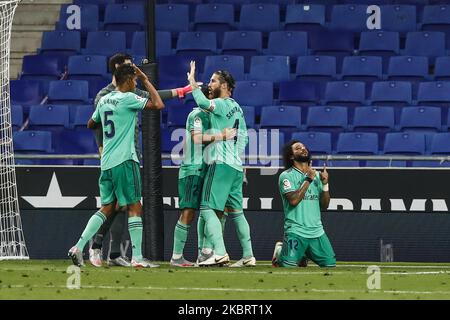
(236, 289)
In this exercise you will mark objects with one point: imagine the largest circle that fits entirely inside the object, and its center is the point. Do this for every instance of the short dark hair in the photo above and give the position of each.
(124, 73)
(225, 76)
(287, 154)
(118, 58)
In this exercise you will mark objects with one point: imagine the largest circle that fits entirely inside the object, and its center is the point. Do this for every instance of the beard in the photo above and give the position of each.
(215, 93)
(306, 159)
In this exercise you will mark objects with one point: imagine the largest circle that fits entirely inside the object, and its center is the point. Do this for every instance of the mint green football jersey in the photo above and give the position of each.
(303, 219)
(193, 162)
(225, 113)
(117, 112)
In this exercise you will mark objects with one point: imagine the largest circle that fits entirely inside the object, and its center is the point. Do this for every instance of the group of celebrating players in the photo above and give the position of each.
(210, 177)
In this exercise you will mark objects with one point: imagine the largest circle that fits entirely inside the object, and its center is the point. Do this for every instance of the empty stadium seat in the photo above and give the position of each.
(327, 119)
(233, 64)
(442, 69)
(259, 17)
(100, 3)
(299, 92)
(254, 93)
(349, 17)
(40, 67)
(249, 116)
(172, 70)
(391, 93)
(286, 118)
(196, 43)
(87, 67)
(172, 17)
(269, 68)
(316, 142)
(408, 68)
(61, 43)
(420, 119)
(426, 43)
(407, 143)
(435, 94)
(124, 17)
(105, 43)
(287, 43)
(348, 93)
(305, 17)
(68, 92)
(400, 18)
(384, 44)
(89, 19)
(176, 118)
(362, 68)
(48, 117)
(32, 141)
(363, 143)
(316, 68)
(242, 43)
(440, 144)
(437, 18)
(217, 17)
(25, 92)
(374, 119)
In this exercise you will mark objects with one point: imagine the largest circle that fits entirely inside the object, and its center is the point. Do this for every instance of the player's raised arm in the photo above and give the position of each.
(295, 197)
(155, 101)
(325, 196)
(202, 101)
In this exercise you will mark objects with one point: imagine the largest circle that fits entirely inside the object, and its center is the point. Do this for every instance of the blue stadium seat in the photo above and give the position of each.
(259, 17)
(286, 118)
(254, 93)
(61, 43)
(25, 92)
(435, 94)
(16, 116)
(242, 43)
(407, 143)
(176, 117)
(400, 18)
(32, 142)
(172, 71)
(269, 68)
(172, 17)
(349, 17)
(196, 43)
(442, 69)
(233, 64)
(391, 93)
(125, 17)
(249, 116)
(89, 19)
(384, 44)
(317, 68)
(316, 142)
(105, 43)
(380, 120)
(426, 43)
(440, 144)
(362, 143)
(327, 119)
(424, 119)
(362, 68)
(287, 43)
(87, 67)
(299, 92)
(100, 3)
(305, 17)
(408, 68)
(217, 17)
(163, 43)
(346, 93)
(192, 4)
(40, 67)
(333, 43)
(81, 138)
(437, 18)
(68, 92)
(95, 86)
(49, 117)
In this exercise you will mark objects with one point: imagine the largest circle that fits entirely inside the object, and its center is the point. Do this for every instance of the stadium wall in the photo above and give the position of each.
(402, 210)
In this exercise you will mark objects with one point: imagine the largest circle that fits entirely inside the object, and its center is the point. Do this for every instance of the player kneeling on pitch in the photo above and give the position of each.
(120, 179)
(304, 193)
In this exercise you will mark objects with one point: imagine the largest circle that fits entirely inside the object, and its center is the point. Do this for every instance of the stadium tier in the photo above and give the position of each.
(303, 67)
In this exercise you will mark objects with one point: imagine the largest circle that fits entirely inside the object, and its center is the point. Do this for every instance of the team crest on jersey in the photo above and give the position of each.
(197, 123)
(286, 184)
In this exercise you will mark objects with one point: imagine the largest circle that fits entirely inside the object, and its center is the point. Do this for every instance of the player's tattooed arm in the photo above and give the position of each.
(325, 196)
(226, 134)
(295, 197)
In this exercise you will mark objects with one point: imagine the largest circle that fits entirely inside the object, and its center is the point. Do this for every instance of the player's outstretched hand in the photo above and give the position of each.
(324, 175)
(191, 74)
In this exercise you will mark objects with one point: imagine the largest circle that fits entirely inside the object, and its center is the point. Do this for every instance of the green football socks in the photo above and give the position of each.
(94, 223)
(243, 232)
(135, 228)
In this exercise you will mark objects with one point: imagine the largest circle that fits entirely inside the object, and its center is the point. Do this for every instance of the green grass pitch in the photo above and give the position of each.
(47, 279)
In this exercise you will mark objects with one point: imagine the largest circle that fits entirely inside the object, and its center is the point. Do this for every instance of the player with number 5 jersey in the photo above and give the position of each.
(222, 188)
